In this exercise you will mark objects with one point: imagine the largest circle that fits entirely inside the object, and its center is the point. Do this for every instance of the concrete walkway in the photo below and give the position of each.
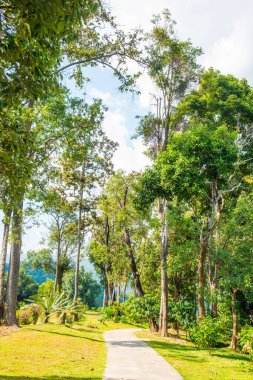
(129, 358)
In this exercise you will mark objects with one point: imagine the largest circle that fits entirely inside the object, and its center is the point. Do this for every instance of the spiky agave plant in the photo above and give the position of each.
(52, 304)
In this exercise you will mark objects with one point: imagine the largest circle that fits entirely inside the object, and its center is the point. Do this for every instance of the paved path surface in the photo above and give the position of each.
(129, 358)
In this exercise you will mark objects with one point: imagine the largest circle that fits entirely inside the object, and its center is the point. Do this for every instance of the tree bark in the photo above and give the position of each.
(79, 240)
(214, 283)
(124, 292)
(13, 274)
(233, 292)
(163, 318)
(111, 291)
(105, 299)
(136, 274)
(118, 295)
(201, 277)
(4, 249)
(57, 270)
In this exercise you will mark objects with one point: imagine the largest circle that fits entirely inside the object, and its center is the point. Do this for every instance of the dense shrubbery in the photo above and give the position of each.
(181, 313)
(208, 333)
(135, 310)
(28, 314)
(246, 339)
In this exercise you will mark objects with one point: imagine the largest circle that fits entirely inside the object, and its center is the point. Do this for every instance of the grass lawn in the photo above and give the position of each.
(193, 364)
(54, 352)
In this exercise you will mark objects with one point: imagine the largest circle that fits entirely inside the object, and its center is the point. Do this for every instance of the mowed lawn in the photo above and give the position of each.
(194, 364)
(52, 352)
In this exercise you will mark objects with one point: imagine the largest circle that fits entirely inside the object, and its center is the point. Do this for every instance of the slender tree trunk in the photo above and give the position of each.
(79, 241)
(6, 231)
(124, 292)
(111, 290)
(105, 300)
(13, 274)
(60, 278)
(153, 326)
(214, 286)
(163, 318)
(118, 294)
(58, 257)
(136, 274)
(201, 277)
(233, 292)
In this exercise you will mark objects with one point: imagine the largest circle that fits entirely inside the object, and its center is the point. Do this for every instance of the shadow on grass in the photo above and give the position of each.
(178, 350)
(233, 356)
(64, 334)
(182, 351)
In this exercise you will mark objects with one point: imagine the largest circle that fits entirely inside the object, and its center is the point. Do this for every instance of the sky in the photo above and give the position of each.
(222, 28)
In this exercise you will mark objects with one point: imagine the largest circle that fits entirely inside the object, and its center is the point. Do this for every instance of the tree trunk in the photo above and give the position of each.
(137, 281)
(201, 277)
(6, 231)
(124, 292)
(56, 280)
(111, 291)
(79, 241)
(214, 286)
(118, 295)
(13, 274)
(234, 314)
(153, 326)
(105, 300)
(163, 318)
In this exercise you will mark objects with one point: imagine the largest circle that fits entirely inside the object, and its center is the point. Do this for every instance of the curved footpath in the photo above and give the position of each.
(129, 358)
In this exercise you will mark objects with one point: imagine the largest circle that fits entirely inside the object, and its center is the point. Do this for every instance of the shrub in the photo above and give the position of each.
(28, 314)
(246, 339)
(141, 310)
(207, 333)
(113, 312)
(181, 312)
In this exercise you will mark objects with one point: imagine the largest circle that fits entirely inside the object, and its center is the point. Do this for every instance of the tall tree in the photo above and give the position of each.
(171, 64)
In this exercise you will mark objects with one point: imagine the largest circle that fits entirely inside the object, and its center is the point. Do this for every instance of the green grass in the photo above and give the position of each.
(56, 352)
(193, 364)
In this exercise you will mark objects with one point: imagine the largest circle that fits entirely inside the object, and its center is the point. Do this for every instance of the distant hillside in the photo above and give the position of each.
(39, 275)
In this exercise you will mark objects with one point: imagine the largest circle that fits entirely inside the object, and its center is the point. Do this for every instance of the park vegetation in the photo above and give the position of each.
(172, 245)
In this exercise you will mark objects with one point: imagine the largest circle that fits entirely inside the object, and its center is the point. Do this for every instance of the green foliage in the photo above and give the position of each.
(197, 157)
(182, 312)
(141, 310)
(207, 333)
(28, 314)
(27, 287)
(114, 312)
(88, 291)
(246, 339)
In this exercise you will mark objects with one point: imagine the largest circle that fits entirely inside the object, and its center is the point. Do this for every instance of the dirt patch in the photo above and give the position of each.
(6, 330)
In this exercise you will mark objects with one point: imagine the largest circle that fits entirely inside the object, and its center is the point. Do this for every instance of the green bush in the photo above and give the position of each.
(246, 339)
(207, 333)
(28, 314)
(113, 312)
(181, 312)
(141, 310)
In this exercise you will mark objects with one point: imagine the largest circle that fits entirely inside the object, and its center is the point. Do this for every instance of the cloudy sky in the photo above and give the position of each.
(223, 28)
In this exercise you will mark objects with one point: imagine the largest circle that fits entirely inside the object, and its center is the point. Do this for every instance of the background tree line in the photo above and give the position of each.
(178, 235)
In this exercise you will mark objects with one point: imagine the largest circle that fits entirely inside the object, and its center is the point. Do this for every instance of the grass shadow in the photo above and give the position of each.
(64, 334)
(233, 356)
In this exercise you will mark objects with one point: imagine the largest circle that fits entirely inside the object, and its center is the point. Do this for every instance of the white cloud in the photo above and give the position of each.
(107, 98)
(129, 155)
(233, 53)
